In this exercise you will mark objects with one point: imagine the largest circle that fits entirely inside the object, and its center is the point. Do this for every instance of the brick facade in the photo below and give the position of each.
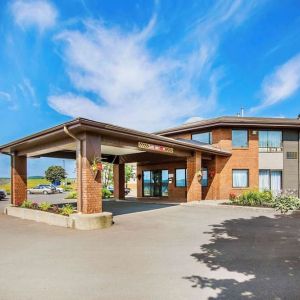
(194, 192)
(119, 181)
(19, 179)
(90, 197)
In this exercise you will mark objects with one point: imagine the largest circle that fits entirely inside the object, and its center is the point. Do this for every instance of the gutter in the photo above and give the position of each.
(79, 167)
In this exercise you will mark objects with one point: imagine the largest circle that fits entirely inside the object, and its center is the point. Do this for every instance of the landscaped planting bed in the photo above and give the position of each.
(65, 216)
(283, 202)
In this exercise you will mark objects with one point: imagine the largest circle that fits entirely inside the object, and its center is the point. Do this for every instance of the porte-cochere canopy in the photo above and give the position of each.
(90, 142)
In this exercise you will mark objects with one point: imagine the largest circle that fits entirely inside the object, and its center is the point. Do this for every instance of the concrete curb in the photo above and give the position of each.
(76, 221)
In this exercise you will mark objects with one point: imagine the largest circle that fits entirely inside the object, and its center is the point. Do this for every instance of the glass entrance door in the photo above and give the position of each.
(155, 183)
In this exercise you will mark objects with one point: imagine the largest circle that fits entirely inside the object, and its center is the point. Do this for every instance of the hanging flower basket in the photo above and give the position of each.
(199, 175)
(96, 166)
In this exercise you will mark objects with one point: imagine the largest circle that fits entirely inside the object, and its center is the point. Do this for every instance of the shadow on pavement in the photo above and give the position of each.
(124, 207)
(267, 249)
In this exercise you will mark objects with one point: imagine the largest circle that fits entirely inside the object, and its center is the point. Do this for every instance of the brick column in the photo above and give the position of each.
(18, 179)
(119, 181)
(194, 190)
(89, 187)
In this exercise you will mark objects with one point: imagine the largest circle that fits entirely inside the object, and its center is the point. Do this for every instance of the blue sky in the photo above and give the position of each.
(144, 64)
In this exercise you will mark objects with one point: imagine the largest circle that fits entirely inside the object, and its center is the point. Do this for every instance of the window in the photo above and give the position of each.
(146, 183)
(180, 177)
(270, 141)
(205, 137)
(204, 180)
(240, 138)
(270, 180)
(291, 155)
(164, 183)
(240, 178)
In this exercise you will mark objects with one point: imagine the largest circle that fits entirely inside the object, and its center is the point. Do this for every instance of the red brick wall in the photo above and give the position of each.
(175, 193)
(194, 192)
(119, 181)
(19, 179)
(220, 186)
(91, 194)
(240, 159)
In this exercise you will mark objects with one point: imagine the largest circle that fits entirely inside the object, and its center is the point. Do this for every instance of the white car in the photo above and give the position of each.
(58, 189)
(42, 189)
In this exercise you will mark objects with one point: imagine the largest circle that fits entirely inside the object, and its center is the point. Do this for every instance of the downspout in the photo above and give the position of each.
(79, 166)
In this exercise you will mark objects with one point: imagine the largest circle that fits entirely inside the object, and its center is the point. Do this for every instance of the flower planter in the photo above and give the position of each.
(76, 221)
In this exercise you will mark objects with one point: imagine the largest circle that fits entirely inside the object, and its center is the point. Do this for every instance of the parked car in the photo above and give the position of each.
(111, 189)
(2, 194)
(58, 189)
(42, 189)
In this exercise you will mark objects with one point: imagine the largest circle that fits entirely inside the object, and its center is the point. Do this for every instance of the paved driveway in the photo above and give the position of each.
(168, 252)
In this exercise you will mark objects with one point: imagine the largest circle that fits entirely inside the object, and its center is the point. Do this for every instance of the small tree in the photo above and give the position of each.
(55, 173)
(107, 174)
(129, 173)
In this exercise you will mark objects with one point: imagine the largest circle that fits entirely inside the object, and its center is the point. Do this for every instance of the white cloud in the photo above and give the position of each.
(40, 13)
(283, 83)
(7, 98)
(28, 92)
(132, 87)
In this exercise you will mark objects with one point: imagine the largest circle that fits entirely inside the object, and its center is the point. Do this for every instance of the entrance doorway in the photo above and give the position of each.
(155, 183)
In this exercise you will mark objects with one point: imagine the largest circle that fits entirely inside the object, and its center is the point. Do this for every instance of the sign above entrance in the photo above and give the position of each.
(152, 147)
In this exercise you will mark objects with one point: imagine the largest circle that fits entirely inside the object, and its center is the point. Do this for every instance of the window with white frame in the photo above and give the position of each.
(240, 178)
(270, 180)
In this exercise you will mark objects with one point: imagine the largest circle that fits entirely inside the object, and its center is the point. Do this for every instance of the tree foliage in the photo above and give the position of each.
(55, 173)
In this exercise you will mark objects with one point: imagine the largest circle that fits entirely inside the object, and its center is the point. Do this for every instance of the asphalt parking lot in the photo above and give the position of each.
(154, 252)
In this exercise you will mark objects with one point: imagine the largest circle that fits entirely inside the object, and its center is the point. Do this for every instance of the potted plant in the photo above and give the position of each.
(96, 165)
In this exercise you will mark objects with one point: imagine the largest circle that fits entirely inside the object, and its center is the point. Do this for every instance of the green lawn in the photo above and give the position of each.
(31, 182)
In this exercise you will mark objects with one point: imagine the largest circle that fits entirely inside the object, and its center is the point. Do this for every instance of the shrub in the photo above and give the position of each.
(44, 206)
(71, 195)
(27, 204)
(254, 198)
(286, 202)
(68, 188)
(106, 193)
(67, 210)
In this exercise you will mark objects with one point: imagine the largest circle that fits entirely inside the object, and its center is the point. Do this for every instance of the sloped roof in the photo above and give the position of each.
(226, 121)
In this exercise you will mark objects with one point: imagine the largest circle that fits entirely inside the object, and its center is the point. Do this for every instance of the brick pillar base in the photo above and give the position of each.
(119, 181)
(194, 189)
(89, 187)
(18, 179)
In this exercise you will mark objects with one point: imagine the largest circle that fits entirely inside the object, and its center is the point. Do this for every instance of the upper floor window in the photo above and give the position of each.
(204, 137)
(270, 141)
(240, 138)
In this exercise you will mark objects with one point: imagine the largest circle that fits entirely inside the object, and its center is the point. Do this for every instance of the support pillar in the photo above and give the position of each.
(119, 181)
(18, 179)
(194, 189)
(89, 187)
